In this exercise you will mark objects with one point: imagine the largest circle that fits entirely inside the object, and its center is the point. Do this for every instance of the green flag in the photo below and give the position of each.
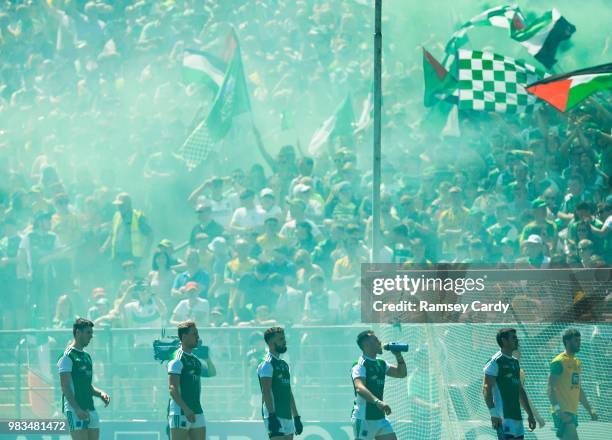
(339, 125)
(232, 100)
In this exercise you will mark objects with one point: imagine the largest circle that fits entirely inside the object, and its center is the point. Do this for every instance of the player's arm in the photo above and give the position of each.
(524, 400)
(97, 392)
(266, 391)
(398, 370)
(556, 368)
(584, 401)
(67, 387)
(487, 392)
(364, 392)
(211, 370)
(174, 386)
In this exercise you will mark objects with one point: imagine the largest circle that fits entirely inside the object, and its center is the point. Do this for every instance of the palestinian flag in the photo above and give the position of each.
(203, 67)
(543, 36)
(439, 83)
(339, 125)
(566, 90)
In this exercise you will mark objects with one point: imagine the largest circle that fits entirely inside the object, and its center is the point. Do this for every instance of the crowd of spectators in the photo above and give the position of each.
(100, 218)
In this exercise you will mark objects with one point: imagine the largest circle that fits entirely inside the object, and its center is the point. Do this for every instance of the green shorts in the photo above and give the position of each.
(560, 424)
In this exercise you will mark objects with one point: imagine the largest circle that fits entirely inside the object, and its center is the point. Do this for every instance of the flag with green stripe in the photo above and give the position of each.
(203, 67)
(567, 90)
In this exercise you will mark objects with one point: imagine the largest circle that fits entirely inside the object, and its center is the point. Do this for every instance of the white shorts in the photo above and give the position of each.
(177, 421)
(76, 424)
(287, 426)
(369, 429)
(512, 428)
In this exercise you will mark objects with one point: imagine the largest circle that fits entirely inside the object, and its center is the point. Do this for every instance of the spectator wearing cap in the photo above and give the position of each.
(297, 214)
(271, 239)
(314, 202)
(534, 256)
(193, 308)
(167, 246)
(206, 224)
(193, 273)
(131, 236)
(540, 225)
(37, 251)
(267, 204)
(212, 193)
(14, 310)
(248, 216)
(202, 241)
(453, 221)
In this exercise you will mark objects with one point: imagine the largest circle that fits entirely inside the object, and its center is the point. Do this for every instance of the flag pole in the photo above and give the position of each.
(376, 151)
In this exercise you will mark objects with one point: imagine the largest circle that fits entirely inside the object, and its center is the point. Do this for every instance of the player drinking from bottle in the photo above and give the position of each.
(186, 416)
(280, 413)
(370, 411)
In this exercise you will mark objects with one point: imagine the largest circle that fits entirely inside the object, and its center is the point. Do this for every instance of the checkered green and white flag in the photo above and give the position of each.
(495, 83)
(504, 17)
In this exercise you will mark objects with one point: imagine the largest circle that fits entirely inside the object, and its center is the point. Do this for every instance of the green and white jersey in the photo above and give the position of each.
(507, 373)
(78, 363)
(276, 368)
(372, 372)
(189, 368)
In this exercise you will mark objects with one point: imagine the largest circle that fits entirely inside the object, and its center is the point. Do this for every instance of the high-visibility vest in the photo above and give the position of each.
(137, 238)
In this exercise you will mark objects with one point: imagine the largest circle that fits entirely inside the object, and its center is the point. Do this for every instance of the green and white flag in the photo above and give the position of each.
(495, 83)
(232, 100)
(339, 125)
(367, 112)
(203, 67)
(499, 16)
(541, 37)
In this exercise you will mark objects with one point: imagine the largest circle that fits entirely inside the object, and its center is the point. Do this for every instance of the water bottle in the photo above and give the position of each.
(396, 347)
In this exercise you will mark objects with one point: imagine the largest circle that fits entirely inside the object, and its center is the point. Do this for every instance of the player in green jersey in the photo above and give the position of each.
(368, 373)
(503, 392)
(76, 372)
(185, 415)
(565, 388)
(279, 411)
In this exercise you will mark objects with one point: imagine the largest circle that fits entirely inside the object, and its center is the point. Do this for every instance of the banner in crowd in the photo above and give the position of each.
(567, 90)
(541, 37)
(232, 100)
(340, 124)
(495, 83)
